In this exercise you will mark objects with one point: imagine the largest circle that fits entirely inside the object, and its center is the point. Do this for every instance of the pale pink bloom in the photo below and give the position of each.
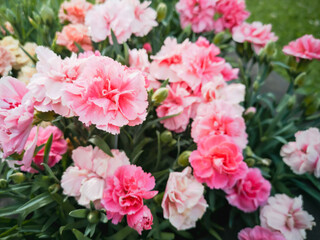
(232, 13)
(108, 94)
(147, 46)
(47, 85)
(200, 64)
(250, 191)
(58, 146)
(306, 47)
(179, 101)
(6, 61)
(256, 33)
(218, 89)
(74, 11)
(197, 13)
(223, 119)
(303, 155)
(74, 33)
(142, 220)
(183, 202)
(113, 14)
(16, 115)
(144, 17)
(168, 59)
(217, 162)
(86, 179)
(87, 54)
(259, 233)
(139, 59)
(125, 191)
(250, 110)
(285, 214)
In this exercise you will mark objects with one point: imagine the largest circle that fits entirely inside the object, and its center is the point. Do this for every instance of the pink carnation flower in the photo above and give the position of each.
(306, 47)
(16, 115)
(198, 13)
(232, 13)
(259, 233)
(125, 191)
(74, 11)
(108, 94)
(6, 61)
(144, 17)
(303, 155)
(183, 202)
(168, 59)
(47, 85)
(58, 147)
(285, 214)
(86, 179)
(142, 220)
(250, 191)
(217, 162)
(74, 33)
(256, 33)
(179, 101)
(223, 119)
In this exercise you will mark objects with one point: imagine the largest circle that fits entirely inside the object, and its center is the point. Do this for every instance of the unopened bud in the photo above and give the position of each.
(43, 116)
(250, 112)
(54, 188)
(250, 162)
(291, 101)
(265, 162)
(248, 151)
(161, 12)
(160, 95)
(18, 177)
(147, 46)
(271, 50)
(93, 217)
(46, 14)
(158, 198)
(187, 30)
(218, 38)
(166, 136)
(183, 159)
(299, 80)
(172, 143)
(256, 86)
(3, 183)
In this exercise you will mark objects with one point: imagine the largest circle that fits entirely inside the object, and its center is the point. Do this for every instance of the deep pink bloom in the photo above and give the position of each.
(86, 179)
(306, 47)
(179, 101)
(58, 146)
(108, 94)
(229, 73)
(198, 13)
(259, 233)
(74, 11)
(74, 33)
(217, 162)
(285, 214)
(6, 61)
(183, 201)
(232, 13)
(223, 119)
(256, 33)
(125, 191)
(141, 220)
(250, 191)
(303, 155)
(47, 85)
(16, 115)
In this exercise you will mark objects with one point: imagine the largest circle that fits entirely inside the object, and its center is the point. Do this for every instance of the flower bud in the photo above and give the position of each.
(43, 116)
(46, 14)
(158, 198)
(18, 177)
(248, 151)
(187, 30)
(250, 162)
(183, 159)
(256, 86)
(265, 162)
(161, 12)
(147, 46)
(93, 217)
(54, 188)
(3, 183)
(250, 112)
(291, 101)
(218, 38)
(166, 136)
(172, 143)
(299, 80)
(271, 50)
(160, 95)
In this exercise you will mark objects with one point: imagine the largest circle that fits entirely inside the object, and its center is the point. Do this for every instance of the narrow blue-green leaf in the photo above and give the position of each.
(122, 234)
(79, 235)
(49, 171)
(47, 149)
(115, 43)
(98, 141)
(311, 191)
(79, 213)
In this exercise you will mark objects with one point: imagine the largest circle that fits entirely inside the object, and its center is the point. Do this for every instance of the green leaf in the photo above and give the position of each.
(79, 47)
(98, 141)
(79, 224)
(79, 213)
(39, 201)
(122, 234)
(49, 222)
(47, 149)
(167, 236)
(103, 218)
(79, 235)
(115, 43)
(7, 211)
(311, 191)
(49, 171)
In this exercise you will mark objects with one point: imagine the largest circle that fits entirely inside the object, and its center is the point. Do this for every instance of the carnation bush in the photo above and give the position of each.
(127, 119)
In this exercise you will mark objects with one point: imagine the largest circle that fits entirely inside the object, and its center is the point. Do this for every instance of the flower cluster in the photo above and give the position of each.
(208, 15)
